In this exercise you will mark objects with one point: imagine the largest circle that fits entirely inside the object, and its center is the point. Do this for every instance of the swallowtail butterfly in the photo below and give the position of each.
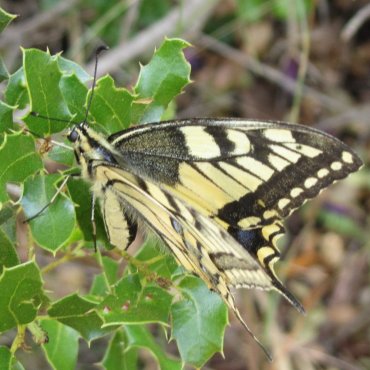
(215, 191)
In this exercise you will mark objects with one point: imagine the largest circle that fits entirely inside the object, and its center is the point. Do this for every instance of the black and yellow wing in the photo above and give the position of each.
(245, 176)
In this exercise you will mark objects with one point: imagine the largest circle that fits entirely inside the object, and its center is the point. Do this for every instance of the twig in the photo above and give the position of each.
(20, 31)
(178, 21)
(359, 114)
(355, 23)
(269, 73)
(129, 20)
(325, 358)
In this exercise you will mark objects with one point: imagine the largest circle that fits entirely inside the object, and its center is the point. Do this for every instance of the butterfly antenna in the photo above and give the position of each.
(38, 115)
(97, 52)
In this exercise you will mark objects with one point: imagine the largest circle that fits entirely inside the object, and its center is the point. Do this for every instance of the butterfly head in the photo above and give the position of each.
(75, 133)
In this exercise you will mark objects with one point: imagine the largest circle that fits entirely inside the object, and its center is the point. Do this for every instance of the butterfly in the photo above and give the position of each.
(215, 191)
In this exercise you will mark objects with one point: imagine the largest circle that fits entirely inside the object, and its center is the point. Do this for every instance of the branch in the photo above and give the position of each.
(179, 21)
(269, 73)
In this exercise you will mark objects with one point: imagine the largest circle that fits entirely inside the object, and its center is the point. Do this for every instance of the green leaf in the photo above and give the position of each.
(99, 286)
(18, 160)
(4, 74)
(54, 226)
(139, 337)
(161, 80)
(21, 295)
(43, 77)
(69, 67)
(132, 303)
(5, 19)
(61, 155)
(16, 91)
(111, 106)
(62, 348)
(117, 356)
(162, 263)
(81, 196)
(6, 116)
(74, 92)
(8, 222)
(198, 322)
(5, 358)
(79, 313)
(8, 254)
(110, 268)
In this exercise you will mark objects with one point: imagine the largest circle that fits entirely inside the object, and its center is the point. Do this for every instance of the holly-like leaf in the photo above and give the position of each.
(139, 337)
(74, 92)
(43, 77)
(4, 74)
(62, 347)
(16, 91)
(198, 322)
(21, 295)
(71, 68)
(112, 106)
(8, 254)
(79, 313)
(5, 19)
(18, 160)
(54, 226)
(132, 303)
(161, 80)
(6, 116)
(118, 356)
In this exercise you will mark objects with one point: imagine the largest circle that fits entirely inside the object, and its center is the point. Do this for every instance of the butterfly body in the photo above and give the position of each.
(214, 190)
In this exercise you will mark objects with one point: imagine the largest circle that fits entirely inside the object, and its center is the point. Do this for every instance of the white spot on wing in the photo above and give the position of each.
(283, 203)
(295, 192)
(336, 166)
(347, 157)
(310, 182)
(322, 173)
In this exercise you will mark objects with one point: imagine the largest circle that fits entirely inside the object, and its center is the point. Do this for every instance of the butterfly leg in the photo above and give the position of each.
(92, 219)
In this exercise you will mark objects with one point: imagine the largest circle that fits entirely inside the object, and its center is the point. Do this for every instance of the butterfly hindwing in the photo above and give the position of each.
(196, 241)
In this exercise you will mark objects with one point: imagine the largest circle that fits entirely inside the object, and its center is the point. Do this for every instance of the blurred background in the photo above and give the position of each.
(305, 61)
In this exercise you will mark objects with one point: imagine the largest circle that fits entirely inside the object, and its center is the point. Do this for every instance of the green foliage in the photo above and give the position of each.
(254, 10)
(47, 229)
(5, 19)
(121, 301)
(21, 295)
(61, 348)
(199, 334)
(18, 160)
